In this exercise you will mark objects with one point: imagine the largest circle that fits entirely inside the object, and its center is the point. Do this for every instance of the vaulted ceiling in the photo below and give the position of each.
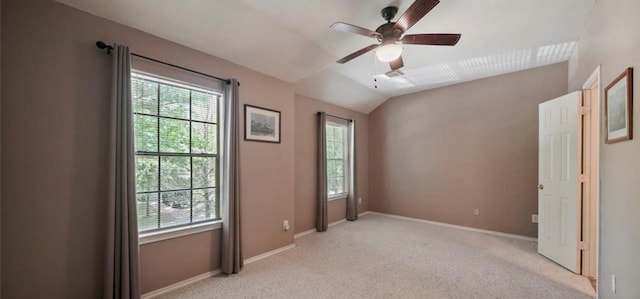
(498, 36)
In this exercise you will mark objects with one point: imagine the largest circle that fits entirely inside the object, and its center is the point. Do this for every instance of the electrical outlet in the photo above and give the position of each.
(286, 225)
(359, 200)
(613, 283)
(534, 218)
(476, 212)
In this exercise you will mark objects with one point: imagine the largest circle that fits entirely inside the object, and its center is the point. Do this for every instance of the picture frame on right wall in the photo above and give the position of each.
(618, 108)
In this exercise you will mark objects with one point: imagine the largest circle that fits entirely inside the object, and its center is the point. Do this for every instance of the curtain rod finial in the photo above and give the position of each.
(102, 45)
(228, 81)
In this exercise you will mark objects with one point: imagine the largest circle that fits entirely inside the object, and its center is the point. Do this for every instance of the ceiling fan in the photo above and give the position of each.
(391, 34)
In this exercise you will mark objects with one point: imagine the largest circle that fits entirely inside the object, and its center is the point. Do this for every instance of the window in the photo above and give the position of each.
(337, 158)
(176, 147)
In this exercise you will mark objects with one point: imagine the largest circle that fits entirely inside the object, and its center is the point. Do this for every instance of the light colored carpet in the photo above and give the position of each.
(383, 257)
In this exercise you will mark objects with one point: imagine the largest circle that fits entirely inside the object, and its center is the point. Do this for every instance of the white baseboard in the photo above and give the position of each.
(304, 233)
(180, 284)
(484, 231)
(268, 254)
(336, 222)
(200, 277)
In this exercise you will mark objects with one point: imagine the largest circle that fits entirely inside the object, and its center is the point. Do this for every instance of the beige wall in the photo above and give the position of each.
(611, 39)
(306, 127)
(178, 259)
(54, 146)
(442, 153)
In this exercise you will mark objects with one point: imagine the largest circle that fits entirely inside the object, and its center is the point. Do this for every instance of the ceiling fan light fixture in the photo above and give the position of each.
(389, 52)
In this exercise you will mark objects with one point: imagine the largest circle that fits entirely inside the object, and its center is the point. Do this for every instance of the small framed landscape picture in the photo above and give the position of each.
(618, 101)
(261, 124)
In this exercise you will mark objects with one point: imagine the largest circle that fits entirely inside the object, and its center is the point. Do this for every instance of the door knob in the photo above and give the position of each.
(540, 186)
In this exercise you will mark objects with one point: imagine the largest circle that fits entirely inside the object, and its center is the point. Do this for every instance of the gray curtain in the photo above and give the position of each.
(230, 191)
(121, 267)
(352, 199)
(321, 207)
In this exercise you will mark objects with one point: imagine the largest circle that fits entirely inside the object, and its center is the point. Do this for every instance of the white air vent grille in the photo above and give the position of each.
(431, 75)
(555, 53)
(497, 64)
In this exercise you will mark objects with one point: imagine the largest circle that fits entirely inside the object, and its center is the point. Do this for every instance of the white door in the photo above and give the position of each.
(558, 180)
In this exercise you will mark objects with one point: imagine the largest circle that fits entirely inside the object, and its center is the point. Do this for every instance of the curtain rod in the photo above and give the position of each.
(349, 120)
(103, 45)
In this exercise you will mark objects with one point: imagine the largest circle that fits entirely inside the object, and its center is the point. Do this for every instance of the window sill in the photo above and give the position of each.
(337, 197)
(178, 232)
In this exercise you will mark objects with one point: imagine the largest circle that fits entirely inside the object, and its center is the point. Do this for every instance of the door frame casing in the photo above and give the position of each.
(594, 176)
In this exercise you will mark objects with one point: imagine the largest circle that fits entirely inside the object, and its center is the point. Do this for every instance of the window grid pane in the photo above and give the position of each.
(174, 136)
(147, 208)
(145, 96)
(176, 142)
(204, 204)
(176, 208)
(175, 173)
(204, 138)
(174, 101)
(147, 173)
(146, 133)
(204, 172)
(204, 107)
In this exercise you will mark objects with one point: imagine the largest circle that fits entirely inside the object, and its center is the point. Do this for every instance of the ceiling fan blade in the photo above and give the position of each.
(396, 64)
(355, 29)
(435, 39)
(357, 53)
(414, 13)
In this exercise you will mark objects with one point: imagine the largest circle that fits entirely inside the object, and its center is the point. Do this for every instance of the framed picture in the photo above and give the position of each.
(618, 100)
(261, 124)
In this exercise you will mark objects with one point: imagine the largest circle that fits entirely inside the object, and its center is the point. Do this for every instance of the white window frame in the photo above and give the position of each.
(346, 150)
(201, 226)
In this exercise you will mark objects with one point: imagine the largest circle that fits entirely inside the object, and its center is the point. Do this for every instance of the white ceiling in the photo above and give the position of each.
(291, 39)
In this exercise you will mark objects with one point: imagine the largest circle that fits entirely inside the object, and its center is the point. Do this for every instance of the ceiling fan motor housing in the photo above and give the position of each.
(389, 32)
